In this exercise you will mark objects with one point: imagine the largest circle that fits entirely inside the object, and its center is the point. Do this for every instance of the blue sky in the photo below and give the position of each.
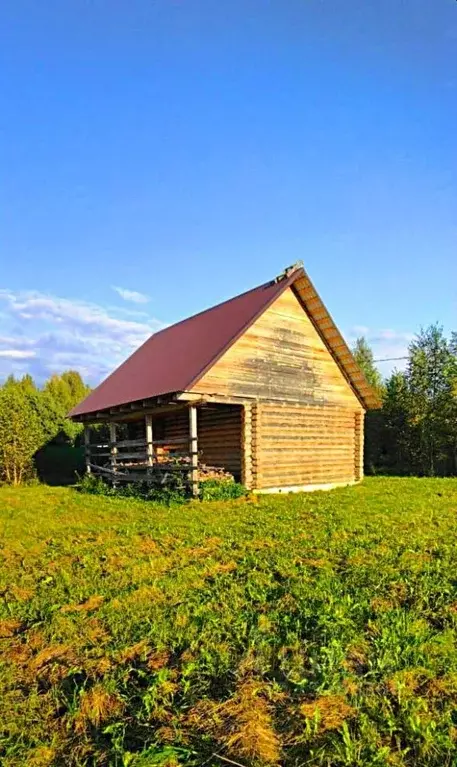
(159, 156)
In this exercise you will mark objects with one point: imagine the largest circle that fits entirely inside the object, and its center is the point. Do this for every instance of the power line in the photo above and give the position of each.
(391, 359)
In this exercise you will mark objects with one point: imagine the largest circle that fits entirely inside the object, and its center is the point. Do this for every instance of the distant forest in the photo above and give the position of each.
(36, 437)
(414, 433)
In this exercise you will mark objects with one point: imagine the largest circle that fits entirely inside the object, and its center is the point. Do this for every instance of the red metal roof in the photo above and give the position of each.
(173, 359)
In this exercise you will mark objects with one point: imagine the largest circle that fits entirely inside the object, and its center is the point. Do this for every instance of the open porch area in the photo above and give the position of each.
(177, 446)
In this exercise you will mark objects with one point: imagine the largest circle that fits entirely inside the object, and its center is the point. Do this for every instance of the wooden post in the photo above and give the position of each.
(246, 446)
(256, 468)
(113, 448)
(358, 447)
(87, 447)
(193, 449)
(149, 442)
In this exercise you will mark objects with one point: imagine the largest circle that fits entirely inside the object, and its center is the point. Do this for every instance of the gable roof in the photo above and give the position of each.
(174, 359)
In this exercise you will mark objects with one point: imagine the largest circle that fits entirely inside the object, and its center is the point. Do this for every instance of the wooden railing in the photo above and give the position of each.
(139, 461)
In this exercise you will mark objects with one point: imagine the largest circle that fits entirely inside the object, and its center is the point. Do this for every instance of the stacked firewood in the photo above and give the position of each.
(213, 472)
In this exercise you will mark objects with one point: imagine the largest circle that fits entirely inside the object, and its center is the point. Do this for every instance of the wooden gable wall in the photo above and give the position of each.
(280, 357)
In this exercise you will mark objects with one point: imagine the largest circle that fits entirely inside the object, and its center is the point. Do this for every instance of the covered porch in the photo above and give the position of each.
(172, 445)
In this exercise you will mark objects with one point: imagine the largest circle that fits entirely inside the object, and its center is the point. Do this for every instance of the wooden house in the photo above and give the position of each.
(262, 386)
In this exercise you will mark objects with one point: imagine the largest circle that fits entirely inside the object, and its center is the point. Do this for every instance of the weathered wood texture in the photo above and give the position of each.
(297, 445)
(87, 447)
(219, 438)
(193, 449)
(358, 452)
(218, 433)
(246, 445)
(280, 357)
(149, 439)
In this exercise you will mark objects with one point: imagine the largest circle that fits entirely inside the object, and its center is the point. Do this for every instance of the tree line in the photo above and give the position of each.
(32, 418)
(415, 431)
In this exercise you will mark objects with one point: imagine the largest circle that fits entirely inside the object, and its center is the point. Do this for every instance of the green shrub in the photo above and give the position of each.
(177, 492)
(94, 485)
(221, 490)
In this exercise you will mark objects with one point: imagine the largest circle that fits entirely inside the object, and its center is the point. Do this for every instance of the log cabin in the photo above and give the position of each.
(262, 388)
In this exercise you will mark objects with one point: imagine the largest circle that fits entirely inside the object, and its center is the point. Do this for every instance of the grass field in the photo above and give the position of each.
(313, 629)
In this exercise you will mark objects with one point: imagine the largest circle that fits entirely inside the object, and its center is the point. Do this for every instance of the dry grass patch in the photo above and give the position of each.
(329, 711)
(96, 707)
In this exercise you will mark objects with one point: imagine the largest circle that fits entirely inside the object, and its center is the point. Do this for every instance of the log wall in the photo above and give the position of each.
(219, 438)
(300, 445)
(218, 434)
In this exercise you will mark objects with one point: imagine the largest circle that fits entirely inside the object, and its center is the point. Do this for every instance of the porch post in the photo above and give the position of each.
(246, 446)
(193, 449)
(149, 443)
(359, 425)
(87, 447)
(113, 448)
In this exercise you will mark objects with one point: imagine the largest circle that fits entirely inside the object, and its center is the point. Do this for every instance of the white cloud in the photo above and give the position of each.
(44, 334)
(131, 295)
(16, 354)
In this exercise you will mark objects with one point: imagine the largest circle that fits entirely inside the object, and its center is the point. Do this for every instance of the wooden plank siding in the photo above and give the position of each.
(280, 357)
(302, 423)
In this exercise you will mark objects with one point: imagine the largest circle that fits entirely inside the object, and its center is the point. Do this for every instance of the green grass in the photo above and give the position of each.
(315, 629)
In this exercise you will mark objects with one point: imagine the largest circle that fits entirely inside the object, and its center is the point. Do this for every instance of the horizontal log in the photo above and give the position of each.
(316, 412)
(302, 438)
(301, 448)
(274, 406)
(140, 476)
(233, 416)
(129, 443)
(307, 435)
(304, 419)
(170, 441)
(288, 457)
(216, 428)
(233, 447)
(301, 476)
(304, 459)
(304, 476)
(284, 468)
(126, 456)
